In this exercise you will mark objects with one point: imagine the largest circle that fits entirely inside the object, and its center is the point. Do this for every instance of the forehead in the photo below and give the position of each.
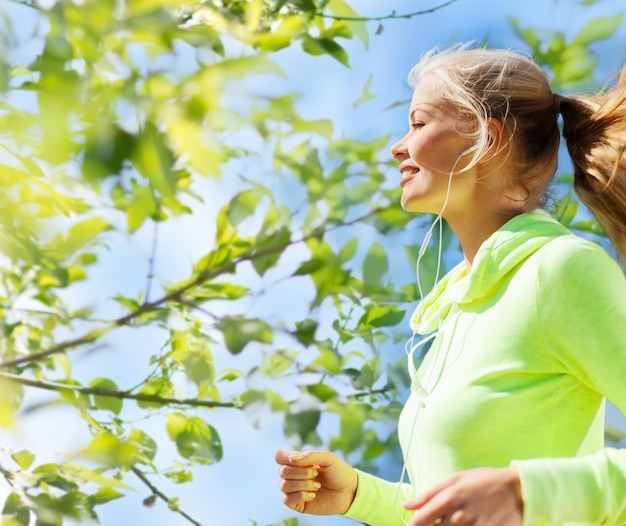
(427, 97)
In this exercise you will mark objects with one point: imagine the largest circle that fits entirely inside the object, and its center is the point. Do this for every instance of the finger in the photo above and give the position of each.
(297, 500)
(301, 458)
(439, 507)
(312, 458)
(282, 456)
(458, 518)
(295, 473)
(428, 495)
(294, 486)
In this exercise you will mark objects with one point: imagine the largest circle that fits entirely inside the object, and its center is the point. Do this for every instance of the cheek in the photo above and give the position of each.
(432, 153)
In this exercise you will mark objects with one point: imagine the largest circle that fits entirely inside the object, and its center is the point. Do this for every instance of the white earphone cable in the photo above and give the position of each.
(410, 348)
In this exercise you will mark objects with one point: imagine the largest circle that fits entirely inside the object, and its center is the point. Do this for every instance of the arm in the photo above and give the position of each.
(379, 503)
(582, 300)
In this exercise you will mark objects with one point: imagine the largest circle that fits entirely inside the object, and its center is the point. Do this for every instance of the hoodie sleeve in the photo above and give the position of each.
(581, 304)
(378, 502)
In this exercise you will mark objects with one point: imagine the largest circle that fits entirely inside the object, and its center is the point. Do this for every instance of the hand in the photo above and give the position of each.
(478, 497)
(316, 482)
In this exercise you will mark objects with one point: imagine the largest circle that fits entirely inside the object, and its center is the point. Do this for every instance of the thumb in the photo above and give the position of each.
(312, 458)
(283, 456)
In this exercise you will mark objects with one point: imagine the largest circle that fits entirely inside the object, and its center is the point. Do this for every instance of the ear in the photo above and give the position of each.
(497, 138)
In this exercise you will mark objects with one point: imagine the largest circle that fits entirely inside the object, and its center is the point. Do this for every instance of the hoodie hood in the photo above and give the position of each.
(500, 254)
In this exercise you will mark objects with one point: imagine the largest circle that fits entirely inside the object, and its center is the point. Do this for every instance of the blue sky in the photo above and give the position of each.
(244, 486)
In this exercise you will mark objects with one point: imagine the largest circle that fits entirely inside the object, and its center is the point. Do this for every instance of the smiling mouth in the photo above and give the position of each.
(408, 174)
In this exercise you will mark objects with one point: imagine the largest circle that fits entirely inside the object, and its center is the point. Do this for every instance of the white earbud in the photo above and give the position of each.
(472, 148)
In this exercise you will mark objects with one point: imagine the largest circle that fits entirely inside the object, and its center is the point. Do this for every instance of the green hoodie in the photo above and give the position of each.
(528, 347)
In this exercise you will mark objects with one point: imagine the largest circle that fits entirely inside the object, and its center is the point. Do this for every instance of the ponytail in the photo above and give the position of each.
(595, 130)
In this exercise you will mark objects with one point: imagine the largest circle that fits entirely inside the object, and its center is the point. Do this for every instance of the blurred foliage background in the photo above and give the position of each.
(128, 120)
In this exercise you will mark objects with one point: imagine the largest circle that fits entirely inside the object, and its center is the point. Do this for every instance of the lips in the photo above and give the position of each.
(407, 172)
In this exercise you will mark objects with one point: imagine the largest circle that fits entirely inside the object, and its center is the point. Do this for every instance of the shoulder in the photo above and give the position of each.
(570, 266)
(575, 254)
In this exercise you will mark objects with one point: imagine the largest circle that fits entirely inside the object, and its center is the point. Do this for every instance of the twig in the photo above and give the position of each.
(90, 337)
(373, 392)
(161, 495)
(151, 261)
(25, 4)
(393, 15)
(165, 400)
(193, 306)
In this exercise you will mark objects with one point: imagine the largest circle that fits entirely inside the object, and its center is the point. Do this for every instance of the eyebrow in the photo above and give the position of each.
(417, 108)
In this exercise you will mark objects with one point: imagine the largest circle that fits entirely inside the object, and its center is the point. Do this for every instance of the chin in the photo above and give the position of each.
(410, 204)
(414, 206)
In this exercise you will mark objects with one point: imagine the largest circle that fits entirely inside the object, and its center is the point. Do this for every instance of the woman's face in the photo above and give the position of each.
(428, 152)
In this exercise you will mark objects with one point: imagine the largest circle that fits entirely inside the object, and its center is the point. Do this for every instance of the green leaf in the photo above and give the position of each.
(324, 45)
(11, 395)
(375, 267)
(277, 363)
(141, 207)
(348, 250)
(270, 248)
(527, 35)
(104, 495)
(82, 234)
(358, 27)
(146, 446)
(366, 93)
(195, 439)
(180, 476)
(215, 291)
(305, 331)
(379, 316)
(242, 206)
(106, 403)
(567, 211)
(157, 386)
(303, 425)
(229, 375)
(598, 29)
(198, 362)
(154, 160)
(15, 511)
(110, 450)
(108, 146)
(322, 391)
(239, 331)
(613, 434)
(23, 458)
(81, 474)
(352, 420)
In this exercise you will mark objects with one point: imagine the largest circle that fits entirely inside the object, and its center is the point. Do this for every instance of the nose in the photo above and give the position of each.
(398, 150)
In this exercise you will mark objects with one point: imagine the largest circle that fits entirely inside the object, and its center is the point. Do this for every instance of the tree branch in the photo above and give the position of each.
(178, 294)
(162, 496)
(165, 400)
(373, 392)
(393, 15)
(26, 4)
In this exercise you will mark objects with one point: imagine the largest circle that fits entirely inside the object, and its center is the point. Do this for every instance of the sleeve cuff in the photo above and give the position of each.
(379, 502)
(572, 489)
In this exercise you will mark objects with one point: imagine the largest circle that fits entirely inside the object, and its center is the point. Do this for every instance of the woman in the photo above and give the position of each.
(504, 424)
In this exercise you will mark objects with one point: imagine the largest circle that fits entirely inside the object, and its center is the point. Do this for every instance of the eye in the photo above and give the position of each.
(416, 125)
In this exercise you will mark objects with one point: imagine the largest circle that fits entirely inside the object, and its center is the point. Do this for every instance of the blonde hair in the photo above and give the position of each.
(485, 84)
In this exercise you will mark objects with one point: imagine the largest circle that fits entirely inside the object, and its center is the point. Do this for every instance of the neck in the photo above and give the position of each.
(473, 233)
